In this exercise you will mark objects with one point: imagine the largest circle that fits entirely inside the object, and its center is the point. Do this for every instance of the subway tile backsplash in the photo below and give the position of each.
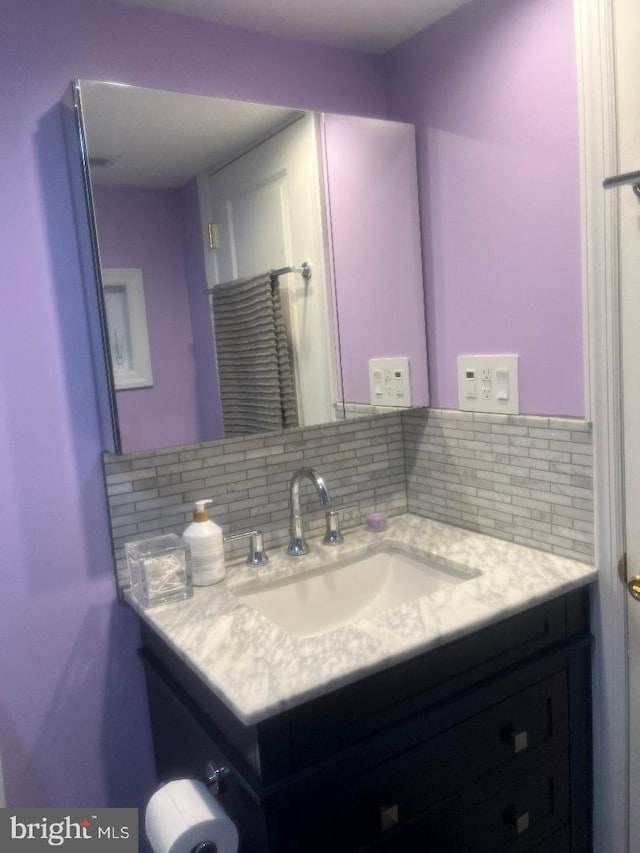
(247, 478)
(519, 477)
(523, 478)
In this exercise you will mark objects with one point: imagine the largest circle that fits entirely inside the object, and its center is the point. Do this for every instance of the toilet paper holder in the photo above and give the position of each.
(214, 777)
(185, 815)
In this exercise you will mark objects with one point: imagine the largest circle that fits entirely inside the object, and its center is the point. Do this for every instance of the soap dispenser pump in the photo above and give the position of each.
(207, 546)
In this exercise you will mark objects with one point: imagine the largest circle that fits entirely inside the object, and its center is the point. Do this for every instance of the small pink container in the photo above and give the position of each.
(376, 521)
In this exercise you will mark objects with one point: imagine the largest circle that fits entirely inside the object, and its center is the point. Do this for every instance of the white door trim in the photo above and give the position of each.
(603, 403)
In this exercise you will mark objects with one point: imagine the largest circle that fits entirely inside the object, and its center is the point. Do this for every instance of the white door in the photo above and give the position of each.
(627, 56)
(267, 209)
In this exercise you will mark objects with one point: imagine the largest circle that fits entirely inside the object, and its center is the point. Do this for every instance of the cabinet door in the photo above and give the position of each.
(183, 748)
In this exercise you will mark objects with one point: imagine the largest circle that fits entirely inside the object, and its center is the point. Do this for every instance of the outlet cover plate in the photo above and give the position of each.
(389, 382)
(482, 389)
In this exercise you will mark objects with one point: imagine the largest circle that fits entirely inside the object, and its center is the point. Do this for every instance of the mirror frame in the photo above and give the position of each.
(86, 229)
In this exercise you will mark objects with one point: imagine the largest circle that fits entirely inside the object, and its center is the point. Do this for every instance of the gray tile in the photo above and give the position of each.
(115, 464)
(491, 473)
(163, 457)
(511, 431)
(551, 434)
(540, 506)
(519, 453)
(131, 476)
(572, 446)
(118, 488)
(131, 498)
(585, 438)
(583, 503)
(582, 482)
(550, 456)
(571, 424)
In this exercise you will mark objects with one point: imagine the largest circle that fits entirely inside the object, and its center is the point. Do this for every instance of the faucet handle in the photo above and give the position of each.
(332, 535)
(257, 555)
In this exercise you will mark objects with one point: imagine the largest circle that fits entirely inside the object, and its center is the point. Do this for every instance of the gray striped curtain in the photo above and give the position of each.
(255, 369)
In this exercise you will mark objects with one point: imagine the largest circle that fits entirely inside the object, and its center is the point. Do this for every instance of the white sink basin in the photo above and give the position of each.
(318, 602)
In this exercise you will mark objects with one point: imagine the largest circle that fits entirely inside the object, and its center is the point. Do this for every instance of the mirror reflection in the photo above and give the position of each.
(254, 259)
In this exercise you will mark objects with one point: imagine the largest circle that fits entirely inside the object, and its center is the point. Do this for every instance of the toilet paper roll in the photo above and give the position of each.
(183, 814)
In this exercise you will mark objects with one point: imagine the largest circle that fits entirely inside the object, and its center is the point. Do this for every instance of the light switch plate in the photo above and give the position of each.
(494, 379)
(389, 382)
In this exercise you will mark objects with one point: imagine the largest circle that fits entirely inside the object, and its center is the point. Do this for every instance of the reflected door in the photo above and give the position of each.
(266, 207)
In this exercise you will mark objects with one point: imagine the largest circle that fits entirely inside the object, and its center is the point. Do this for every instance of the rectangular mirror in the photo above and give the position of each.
(249, 263)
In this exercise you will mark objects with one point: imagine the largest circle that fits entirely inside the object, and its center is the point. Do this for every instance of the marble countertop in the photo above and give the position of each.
(259, 670)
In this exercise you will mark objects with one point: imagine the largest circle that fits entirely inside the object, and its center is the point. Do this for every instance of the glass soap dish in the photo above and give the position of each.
(160, 569)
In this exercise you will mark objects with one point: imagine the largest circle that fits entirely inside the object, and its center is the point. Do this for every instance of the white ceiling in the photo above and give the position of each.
(374, 26)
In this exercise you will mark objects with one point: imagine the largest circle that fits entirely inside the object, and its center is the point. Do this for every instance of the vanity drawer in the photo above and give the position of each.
(324, 725)
(523, 731)
(527, 814)
(400, 808)
(350, 815)
(559, 842)
(535, 719)
(519, 816)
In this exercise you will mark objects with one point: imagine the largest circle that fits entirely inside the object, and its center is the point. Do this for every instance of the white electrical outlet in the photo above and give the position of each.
(496, 380)
(389, 383)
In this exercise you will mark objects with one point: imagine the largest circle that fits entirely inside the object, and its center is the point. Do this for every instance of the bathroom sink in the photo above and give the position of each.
(354, 589)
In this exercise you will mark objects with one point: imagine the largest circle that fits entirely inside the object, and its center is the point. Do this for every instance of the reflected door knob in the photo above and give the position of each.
(633, 585)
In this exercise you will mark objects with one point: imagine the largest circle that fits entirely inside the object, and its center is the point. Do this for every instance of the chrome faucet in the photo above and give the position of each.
(298, 545)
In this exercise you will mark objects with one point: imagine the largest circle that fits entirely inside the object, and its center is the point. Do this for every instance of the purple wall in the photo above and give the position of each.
(496, 116)
(73, 719)
(144, 229)
(492, 92)
(373, 198)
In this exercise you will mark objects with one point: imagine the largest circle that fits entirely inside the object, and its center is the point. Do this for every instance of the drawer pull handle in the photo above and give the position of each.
(389, 816)
(519, 740)
(520, 821)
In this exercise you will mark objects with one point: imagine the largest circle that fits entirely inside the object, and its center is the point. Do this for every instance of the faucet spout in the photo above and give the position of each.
(298, 545)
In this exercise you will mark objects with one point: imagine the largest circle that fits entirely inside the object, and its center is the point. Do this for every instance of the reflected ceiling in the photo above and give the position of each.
(152, 139)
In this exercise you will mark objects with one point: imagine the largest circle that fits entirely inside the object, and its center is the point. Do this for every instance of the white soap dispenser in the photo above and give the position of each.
(207, 547)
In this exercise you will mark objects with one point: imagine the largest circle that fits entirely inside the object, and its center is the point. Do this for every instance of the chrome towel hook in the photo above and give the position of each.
(623, 179)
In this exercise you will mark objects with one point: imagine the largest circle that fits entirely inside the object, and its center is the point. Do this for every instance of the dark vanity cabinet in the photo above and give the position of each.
(480, 745)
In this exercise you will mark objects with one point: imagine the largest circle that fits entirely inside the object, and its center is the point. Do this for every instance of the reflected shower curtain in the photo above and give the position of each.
(255, 368)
